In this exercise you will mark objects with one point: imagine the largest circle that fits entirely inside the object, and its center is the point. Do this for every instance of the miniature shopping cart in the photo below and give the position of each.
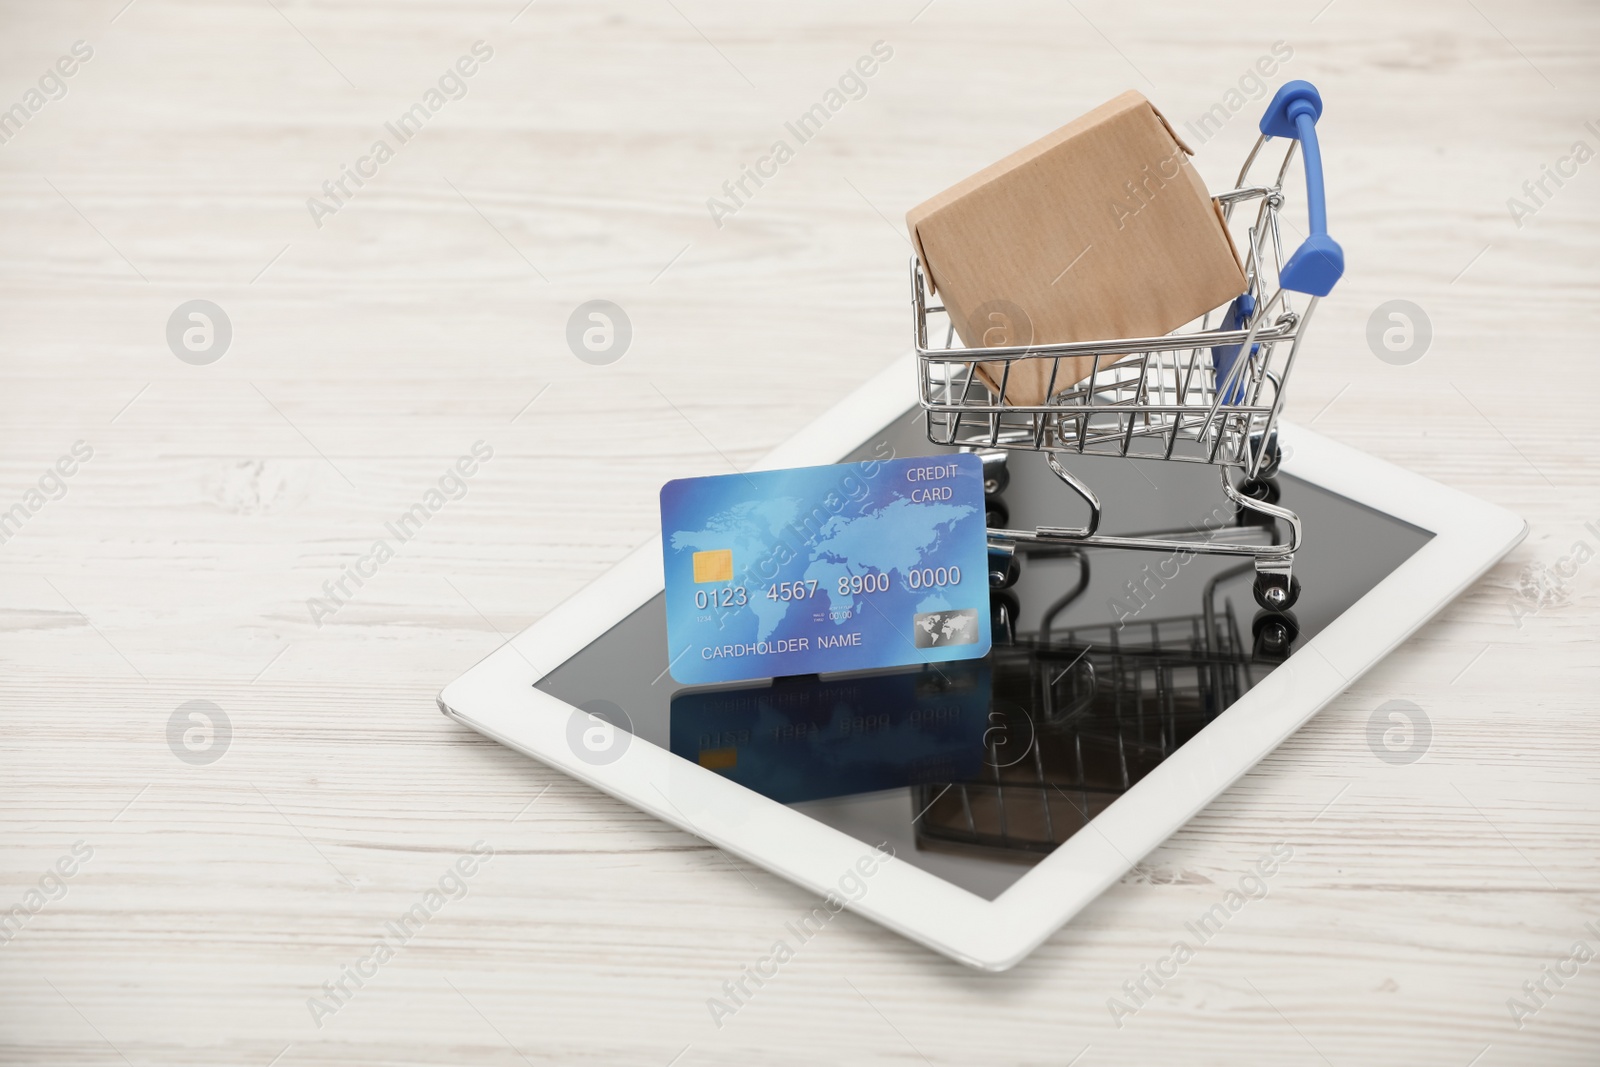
(1208, 395)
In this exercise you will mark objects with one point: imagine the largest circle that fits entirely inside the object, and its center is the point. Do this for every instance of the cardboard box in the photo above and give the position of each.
(1100, 230)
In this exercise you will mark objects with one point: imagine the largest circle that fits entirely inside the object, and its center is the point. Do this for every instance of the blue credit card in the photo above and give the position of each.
(880, 563)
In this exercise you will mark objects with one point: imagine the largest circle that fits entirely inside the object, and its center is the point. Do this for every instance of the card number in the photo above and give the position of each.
(732, 596)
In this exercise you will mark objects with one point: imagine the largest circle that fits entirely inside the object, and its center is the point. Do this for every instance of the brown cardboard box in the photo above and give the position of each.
(1100, 230)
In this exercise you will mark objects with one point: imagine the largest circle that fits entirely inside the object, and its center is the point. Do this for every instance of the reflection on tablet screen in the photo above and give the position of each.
(1104, 663)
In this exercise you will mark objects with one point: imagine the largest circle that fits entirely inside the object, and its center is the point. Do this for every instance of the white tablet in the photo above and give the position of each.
(1009, 791)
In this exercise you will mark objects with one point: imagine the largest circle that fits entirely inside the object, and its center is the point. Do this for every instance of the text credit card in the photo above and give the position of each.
(879, 563)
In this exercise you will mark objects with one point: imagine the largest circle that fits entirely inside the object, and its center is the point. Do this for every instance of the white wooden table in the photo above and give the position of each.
(209, 901)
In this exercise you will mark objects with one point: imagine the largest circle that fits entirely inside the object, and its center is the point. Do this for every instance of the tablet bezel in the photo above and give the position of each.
(497, 698)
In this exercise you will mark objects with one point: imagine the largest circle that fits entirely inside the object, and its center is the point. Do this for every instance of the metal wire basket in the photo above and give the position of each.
(1211, 394)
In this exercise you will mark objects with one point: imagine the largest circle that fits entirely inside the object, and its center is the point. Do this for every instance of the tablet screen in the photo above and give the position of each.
(1108, 661)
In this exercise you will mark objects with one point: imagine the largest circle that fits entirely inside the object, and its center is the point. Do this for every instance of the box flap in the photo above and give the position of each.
(1172, 132)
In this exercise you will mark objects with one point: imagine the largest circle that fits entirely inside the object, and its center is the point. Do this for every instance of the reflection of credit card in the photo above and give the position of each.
(881, 563)
(804, 738)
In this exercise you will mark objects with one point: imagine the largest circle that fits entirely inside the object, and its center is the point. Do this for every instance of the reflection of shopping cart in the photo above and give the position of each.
(1080, 715)
(1210, 395)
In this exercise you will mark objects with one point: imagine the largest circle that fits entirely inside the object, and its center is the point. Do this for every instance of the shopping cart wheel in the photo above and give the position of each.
(1276, 592)
(1274, 456)
(996, 476)
(996, 515)
(1275, 634)
(1003, 573)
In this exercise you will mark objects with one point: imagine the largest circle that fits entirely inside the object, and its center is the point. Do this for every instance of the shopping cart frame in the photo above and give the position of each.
(1152, 398)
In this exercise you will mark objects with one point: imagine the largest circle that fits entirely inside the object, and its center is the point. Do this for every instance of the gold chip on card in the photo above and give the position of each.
(714, 566)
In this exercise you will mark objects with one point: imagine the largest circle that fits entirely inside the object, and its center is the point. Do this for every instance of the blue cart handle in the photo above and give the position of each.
(1319, 261)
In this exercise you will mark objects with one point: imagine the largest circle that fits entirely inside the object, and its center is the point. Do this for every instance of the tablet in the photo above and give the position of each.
(975, 807)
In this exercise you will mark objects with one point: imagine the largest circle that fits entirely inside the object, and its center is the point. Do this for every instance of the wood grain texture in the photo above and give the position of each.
(370, 352)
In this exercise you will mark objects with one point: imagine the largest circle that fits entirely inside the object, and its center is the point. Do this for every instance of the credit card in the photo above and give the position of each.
(879, 563)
